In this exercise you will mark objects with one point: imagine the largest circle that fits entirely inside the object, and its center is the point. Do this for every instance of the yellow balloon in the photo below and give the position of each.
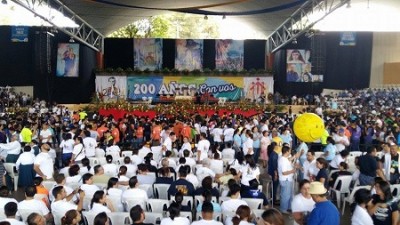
(309, 127)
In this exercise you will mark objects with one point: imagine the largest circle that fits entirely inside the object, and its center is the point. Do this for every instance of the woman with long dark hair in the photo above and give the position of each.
(174, 216)
(383, 207)
(100, 203)
(72, 217)
(243, 216)
(322, 175)
(359, 208)
(101, 219)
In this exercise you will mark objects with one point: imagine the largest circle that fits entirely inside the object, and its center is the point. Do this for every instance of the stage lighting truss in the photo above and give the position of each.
(84, 33)
(301, 21)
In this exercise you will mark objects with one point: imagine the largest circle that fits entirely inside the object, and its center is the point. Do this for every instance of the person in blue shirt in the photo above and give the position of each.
(253, 192)
(273, 168)
(181, 185)
(330, 149)
(325, 212)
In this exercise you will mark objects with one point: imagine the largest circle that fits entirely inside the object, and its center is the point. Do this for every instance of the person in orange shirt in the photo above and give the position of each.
(139, 133)
(156, 134)
(115, 133)
(187, 131)
(40, 189)
(103, 128)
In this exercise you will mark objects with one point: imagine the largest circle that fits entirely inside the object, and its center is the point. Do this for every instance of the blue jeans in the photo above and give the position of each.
(366, 180)
(286, 195)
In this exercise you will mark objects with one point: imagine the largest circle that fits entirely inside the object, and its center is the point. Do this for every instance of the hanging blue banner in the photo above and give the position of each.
(348, 39)
(19, 33)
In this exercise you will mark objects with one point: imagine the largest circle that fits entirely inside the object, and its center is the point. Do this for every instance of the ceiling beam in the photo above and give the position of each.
(84, 33)
(302, 20)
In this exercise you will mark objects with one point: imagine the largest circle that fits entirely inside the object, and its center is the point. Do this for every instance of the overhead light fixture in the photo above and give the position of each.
(294, 41)
(4, 2)
(224, 17)
(71, 40)
(205, 17)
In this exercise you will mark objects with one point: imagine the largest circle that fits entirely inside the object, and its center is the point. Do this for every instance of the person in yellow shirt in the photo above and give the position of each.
(278, 140)
(26, 133)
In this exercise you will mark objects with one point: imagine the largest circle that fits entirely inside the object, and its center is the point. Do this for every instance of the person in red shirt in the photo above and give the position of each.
(186, 131)
(102, 129)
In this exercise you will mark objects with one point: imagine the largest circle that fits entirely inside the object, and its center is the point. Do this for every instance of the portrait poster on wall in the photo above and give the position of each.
(111, 88)
(67, 60)
(147, 53)
(229, 54)
(298, 66)
(189, 54)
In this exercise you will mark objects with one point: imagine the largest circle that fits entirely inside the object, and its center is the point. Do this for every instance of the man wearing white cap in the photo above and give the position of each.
(325, 212)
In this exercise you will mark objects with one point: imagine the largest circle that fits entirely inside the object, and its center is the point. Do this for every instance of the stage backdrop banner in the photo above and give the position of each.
(111, 88)
(156, 86)
(147, 53)
(67, 60)
(257, 88)
(189, 54)
(229, 54)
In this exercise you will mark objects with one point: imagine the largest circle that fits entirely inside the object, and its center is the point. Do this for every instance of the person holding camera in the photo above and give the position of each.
(62, 203)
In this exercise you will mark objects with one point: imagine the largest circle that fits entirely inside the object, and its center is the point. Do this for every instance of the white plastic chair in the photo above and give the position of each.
(161, 191)
(126, 153)
(156, 150)
(115, 155)
(102, 186)
(10, 170)
(217, 166)
(222, 199)
(119, 161)
(152, 218)
(102, 160)
(344, 187)
(100, 153)
(157, 205)
(89, 216)
(117, 202)
(199, 198)
(395, 189)
(355, 154)
(216, 216)
(254, 203)
(350, 198)
(147, 188)
(93, 161)
(119, 218)
(188, 215)
(187, 200)
(130, 202)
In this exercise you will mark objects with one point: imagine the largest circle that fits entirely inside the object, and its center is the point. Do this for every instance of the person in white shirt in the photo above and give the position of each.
(301, 154)
(60, 181)
(4, 197)
(24, 166)
(62, 202)
(33, 204)
(230, 206)
(191, 177)
(185, 146)
(134, 192)
(167, 144)
(10, 210)
(360, 213)
(11, 150)
(174, 216)
(130, 167)
(205, 170)
(67, 146)
(90, 144)
(135, 158)
(100, 203)
(46, 136)
(115, 193)
(110, 168)
(243, 216)
(285, 173)
(248, 144)
(217, 133)
(310, 169)
(341, 140)
(88, 187)
(302, 203)
(189, 160)
(207, 211)
(137, 215)
(228, 134)
(250, 172)
(202, 147)
(79, 150)
(43, 164)
(74, 176)
(228, 152)
(341, 157)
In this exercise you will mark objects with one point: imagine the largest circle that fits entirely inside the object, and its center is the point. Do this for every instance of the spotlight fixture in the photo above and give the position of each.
(294, 41)
(71, 40)
(224, 17)
(4, 2)
(205, 17)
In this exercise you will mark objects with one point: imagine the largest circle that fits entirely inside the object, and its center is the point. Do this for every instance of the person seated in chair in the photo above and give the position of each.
(253, 192)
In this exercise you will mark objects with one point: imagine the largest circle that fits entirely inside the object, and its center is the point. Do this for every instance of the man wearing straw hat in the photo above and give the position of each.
(325, 212)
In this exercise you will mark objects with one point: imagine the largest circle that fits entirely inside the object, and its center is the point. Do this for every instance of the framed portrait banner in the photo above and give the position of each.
(229, 54)
(147, 53)
(189, 54)
(67, 60)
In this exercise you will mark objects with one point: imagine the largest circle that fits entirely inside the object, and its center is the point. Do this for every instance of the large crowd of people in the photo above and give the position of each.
(72, 162)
